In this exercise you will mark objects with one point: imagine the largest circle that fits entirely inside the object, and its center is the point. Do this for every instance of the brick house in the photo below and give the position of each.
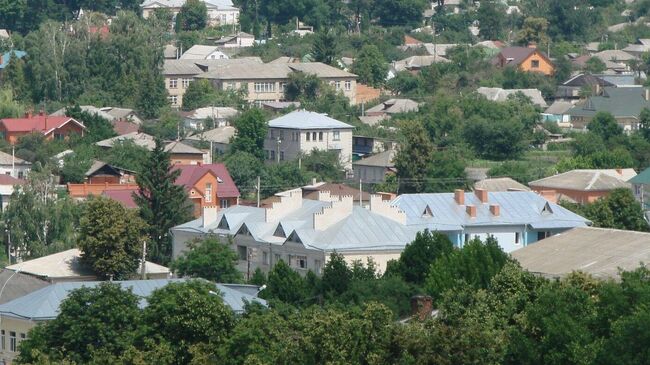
(11, 129)
(526, 59)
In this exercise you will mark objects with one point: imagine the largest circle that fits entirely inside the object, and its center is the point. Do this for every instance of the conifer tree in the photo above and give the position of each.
(162, 204)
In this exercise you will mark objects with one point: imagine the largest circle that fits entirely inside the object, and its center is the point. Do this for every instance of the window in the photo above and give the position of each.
(208, 192)
(542, 235)
(517, 238)
(173, 83)
(272, 134)
(281, 135)
(281, 155)
(242, 252)
(534, 64)
(466, 237)
(348, 85)
(307, 136)
(336, 135)
(224, 203)
(12, 341)
(265, 257)
(59, 136)
(21, 174)
(186, 83)
(277, 258)
(320, 136)
(301, 262)
(230, 86)
(283, 86)
(173, 99)
(264, 87)
(2, 340)
(22, 337)
(272, 155)
(317, 266)
(295, 136)
(337, 85)
(313, 136)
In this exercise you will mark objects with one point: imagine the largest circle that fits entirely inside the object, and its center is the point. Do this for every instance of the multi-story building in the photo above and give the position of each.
(220, 12)
(301, 132)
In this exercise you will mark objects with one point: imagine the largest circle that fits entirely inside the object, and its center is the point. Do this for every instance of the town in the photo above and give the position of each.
(324, 182)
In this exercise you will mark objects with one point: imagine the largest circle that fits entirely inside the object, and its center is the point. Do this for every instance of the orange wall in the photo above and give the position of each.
(68, 129)
(582, 197)
(186, 159)
(83, 190)
(544, 66)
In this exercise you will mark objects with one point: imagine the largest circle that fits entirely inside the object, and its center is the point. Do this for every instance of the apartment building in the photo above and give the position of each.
(220, 12)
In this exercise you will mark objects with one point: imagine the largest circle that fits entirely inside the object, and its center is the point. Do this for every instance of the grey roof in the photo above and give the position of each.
(319, 69)
(199, 52)
(44, 303)
(86, 108)
(149, 142)
(381, 159)
(253, 70)
(559, 107)
(373, 120)
(177, 147)
(7, 159)
(170, 51)
(19, 285)
(516, 208)
(217, 135)
(392, 106)
(302, 119)
(499, 94)
(614, 55)
(214, 112)
(597, 251)
(586, 180)
(178, 3)
(500, 184)
(619, 101)
(417, 62)
(181, 67)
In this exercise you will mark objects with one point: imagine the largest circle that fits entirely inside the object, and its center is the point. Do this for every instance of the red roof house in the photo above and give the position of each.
(51, 127)
(208, 185)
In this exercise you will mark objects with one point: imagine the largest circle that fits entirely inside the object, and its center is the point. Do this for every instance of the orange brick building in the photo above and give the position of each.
(527, 59)
(11, 129)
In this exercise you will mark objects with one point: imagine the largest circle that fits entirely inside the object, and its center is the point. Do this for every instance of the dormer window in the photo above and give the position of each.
(279, 232)
(547, 209)
(223, 223)
(243, 230)
(427, 212)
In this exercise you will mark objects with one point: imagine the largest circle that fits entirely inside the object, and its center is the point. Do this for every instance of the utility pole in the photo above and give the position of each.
(277, 155)
(13, 161)
(144, 260)
(360, 191)
(258, 191)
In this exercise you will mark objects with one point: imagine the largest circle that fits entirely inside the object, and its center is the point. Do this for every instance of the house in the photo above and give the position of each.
(583, 186)
(122, 114)
(100, 172)
(171, 52)
(624, 103)
(4, 34)
(558, 113)
(614, 56)
(265, 82)
(20, 315)
(301, 132)
(218, 138)
(414, 64)
(279, 106)
(527, 59)
(178, 76)
(313, 192)
(66, 266)
(637, 50)
(500, 95)
(374, 168)
(575, 87)
(208, 185)
(641, 188)
(500, 184)
(304, 232)
(237, 40)
(14, 166)
(7, 187)
(17, 284)
(180, 153)
(208, 117)
(201, 52)
(600, 252)
(6, 57)
(124, 120)
(220, 12)
(393, 106)
(11, 129)
(302, 29)
(364, 145)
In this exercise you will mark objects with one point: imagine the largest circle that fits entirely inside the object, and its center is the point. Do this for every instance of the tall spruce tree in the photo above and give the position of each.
(162, 203)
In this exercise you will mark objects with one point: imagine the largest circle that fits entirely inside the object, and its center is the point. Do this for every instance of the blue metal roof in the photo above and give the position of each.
(302, 119)
(44, 304)
(6, 57)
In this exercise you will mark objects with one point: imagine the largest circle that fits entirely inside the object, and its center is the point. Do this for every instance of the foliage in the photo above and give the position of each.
(127, 155)
(414, 157)
(9, 107)
(210, 259)
(490, 16)
(399, 12)
(192, 16)
(284, 284)
(619, 209)
(324, 163)
(76, 164)
(110, 239)
(162, 203)
(251, 132)
(604, 125)
(595, 66)
(200, 93)
(97, 128)
(417, 257)
(369, 66)
(302, 86)
(324, 48)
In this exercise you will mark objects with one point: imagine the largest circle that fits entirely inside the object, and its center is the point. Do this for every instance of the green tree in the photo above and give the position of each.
(644, 123)
(187, 314)
(127, 155)
(201, 93)
(162, 203)
(414, 157)
(370, 66)
(326, 164)
(325, 48)
(399, 12)
(336, 275)
(110, 239)
(302, 86)
(9, 107)
(244, 168)
(284, 284)
(192, 16)
(76, 164)
(491, 18)
(417, 257)
(251, 132)
(594, 65)
(151, 96)
(604, 125)
(97, 128)
(92, 321)
(533, 31)
(210, 259)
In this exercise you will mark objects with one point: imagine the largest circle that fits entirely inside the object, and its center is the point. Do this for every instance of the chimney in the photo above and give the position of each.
(41, 113)
(28, 114)
(482, 195)
(495, 210)
(597, 89)
(210, 214)
(471, 210)
(459, 196)
(532, 45)
(619, 171)
(313, 181)
(421, 306)
(646, 94)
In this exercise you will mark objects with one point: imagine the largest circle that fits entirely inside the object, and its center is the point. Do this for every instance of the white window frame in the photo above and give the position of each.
(264, 87)
(208, 192)
(12, 341)
(173, 83)
(348, 85)
(224, 203)
(336, 135)
(186, 83)
(301, 261)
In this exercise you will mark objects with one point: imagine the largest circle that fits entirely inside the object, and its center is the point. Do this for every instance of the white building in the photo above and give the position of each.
(301, 132)
(201, 52)
(220, 12)
(14, 166)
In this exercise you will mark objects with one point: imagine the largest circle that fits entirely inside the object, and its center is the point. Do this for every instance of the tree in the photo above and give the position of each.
(324, 48)
(92, 321)
(152, 95)
(336, 275)
(9, 107)
(187, 314)
(192, 16)
(210, 259)
(127, 155)
(162, 203)
(201, 94)
(326, 164)
(251, 132)
(284, 284)
(496, 139)
(417, 257)
(110, 239)
(604, 125)
(414, 157)
(644, 123)
(76, 164)
(491, 19)
(97, 128)
(619, 209)
(302, 86)
(595, 65)
(370, 66)
(244, 168)
(399, 12)
(533, 31)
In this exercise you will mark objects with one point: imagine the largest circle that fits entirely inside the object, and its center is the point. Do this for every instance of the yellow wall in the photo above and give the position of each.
(545, 67)
(20, 326)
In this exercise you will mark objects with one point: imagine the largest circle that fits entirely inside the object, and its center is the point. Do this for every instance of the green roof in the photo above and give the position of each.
(619, 101)
(642, 178)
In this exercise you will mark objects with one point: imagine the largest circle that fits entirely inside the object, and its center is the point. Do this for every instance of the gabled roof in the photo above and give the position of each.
(586, 180)
(98, 165)
(619, 101)
(181, 67)
(190, 175)
(7, 159)
(614, 55)
(642, 178)
(559, 107)
(586, 80)
(500, 184)
(19, 285)
(122, 127)
(600, 252)
(303, 119)
(37, 123)
(392, 106)
(199, 52)
(149, 142)
(382, 159)
(516, 55)
(217, 135)
(417, 62)
(177, 148)
(237, 70)
(499, 94)
(6, 57)
(215, 112)
(43, 304)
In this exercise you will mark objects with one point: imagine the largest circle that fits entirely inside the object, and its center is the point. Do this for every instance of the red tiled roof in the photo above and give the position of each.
(122, 127)
(9, 180)
(190, 174)
(124, 197)
(41, 123)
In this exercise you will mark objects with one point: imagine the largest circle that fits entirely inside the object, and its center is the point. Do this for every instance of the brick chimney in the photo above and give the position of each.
(28, 114)
(459, 196)
(646, 94)
(471, 210)
(421, 306)
(495, 210)
(482, 195)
